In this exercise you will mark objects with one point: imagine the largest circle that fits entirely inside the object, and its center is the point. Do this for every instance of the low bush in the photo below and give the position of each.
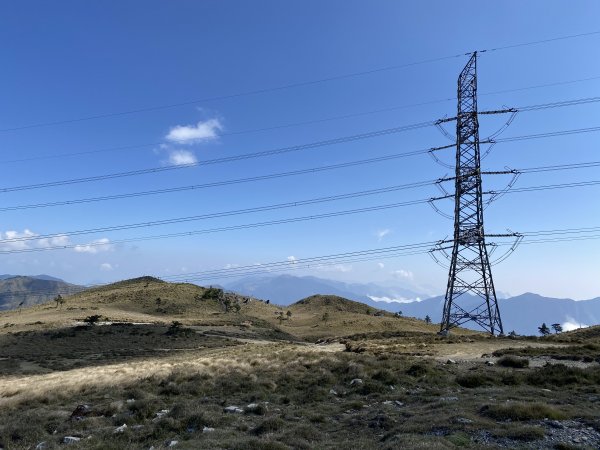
(522, 411)
(513, 361)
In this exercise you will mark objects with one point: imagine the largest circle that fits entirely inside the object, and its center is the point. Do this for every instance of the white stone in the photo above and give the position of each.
(120, 429)
(70, 439)
(233, 409)
(207, 430)
(356, 381)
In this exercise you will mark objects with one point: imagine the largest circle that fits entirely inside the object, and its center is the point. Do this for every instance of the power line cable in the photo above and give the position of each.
(227, 159)
(582, 165)
(293, 85)
(282, 151)
(289, 125)
(48, 245)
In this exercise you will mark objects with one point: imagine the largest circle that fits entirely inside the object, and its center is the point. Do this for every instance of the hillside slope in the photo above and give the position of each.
(18, 291)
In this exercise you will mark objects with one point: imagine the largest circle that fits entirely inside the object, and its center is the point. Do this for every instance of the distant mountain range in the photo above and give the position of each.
(287, 289)
(16, 291)
(523, 313)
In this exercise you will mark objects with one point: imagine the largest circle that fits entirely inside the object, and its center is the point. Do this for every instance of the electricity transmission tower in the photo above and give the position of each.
(470, 270)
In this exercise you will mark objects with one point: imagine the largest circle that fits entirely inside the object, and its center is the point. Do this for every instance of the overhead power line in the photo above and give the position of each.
(226, 159)
(292, 85)
(47, 238)
(371, 254)
(308, 122)
(572, 166)
(284, 150)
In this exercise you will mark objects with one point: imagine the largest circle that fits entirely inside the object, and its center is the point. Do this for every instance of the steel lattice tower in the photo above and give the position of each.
(470, 271)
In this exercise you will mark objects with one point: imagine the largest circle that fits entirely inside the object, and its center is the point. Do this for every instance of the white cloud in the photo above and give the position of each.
(343, 268)
(182, 157)
(231, 266)
(292, 259)
(14, 240)
(394, 300)
(190, 134)
(403, 274)
(571, 324)
(107, 267)
(97, 246)
(382, 233)
(381, 265)
(55, 241)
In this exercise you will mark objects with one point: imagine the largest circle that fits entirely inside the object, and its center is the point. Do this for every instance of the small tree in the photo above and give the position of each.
(59, 300)
(280, 317)
(175, 328)
(325, 317)
(557, 327)
(92, 320)
(544, 330)
(399, 313)
(237, 307)
(427, 319)
(289, 314)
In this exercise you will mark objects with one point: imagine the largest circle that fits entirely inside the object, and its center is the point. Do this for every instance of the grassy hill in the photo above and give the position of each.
(150, 300)
(175, 362)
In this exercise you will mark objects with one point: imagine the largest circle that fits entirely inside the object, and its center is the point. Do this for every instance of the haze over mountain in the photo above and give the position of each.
(18, 290)
(523, 313)
(287, 289)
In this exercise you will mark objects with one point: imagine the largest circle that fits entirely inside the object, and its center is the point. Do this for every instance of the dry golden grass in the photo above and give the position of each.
(306, 394)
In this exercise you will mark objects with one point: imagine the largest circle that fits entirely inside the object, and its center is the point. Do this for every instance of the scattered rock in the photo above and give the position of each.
(332, 392)
(70, 439)
(398, 403)
(252, 406)
(448, 399)
(490, 363)
(41, 446)
(162, 413)
(450, 361)
(555, 424)
(463, 420)
(137, 427)
(356, 381)
(171, 443)
(130, 400)
(233, 409)
(207, 430)
(120, 429)
(80, 412)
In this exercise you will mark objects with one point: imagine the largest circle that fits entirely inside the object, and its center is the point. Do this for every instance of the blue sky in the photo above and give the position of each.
(69, 60)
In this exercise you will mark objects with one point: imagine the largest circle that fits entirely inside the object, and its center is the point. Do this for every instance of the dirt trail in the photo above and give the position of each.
(468, 351)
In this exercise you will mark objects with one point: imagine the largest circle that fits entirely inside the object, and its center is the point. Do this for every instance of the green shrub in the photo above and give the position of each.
(474, 380)
(522, 411)
(513, 361)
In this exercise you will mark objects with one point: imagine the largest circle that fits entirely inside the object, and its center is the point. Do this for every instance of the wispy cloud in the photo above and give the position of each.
(382, 233)
(343, 268)
(97, 246)
(572, 324)
(182, 157)
(394, 300)
(106, 267)
(13, 240)
(401, 273)
(380, 265)
(191, 134)
(292, 259)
